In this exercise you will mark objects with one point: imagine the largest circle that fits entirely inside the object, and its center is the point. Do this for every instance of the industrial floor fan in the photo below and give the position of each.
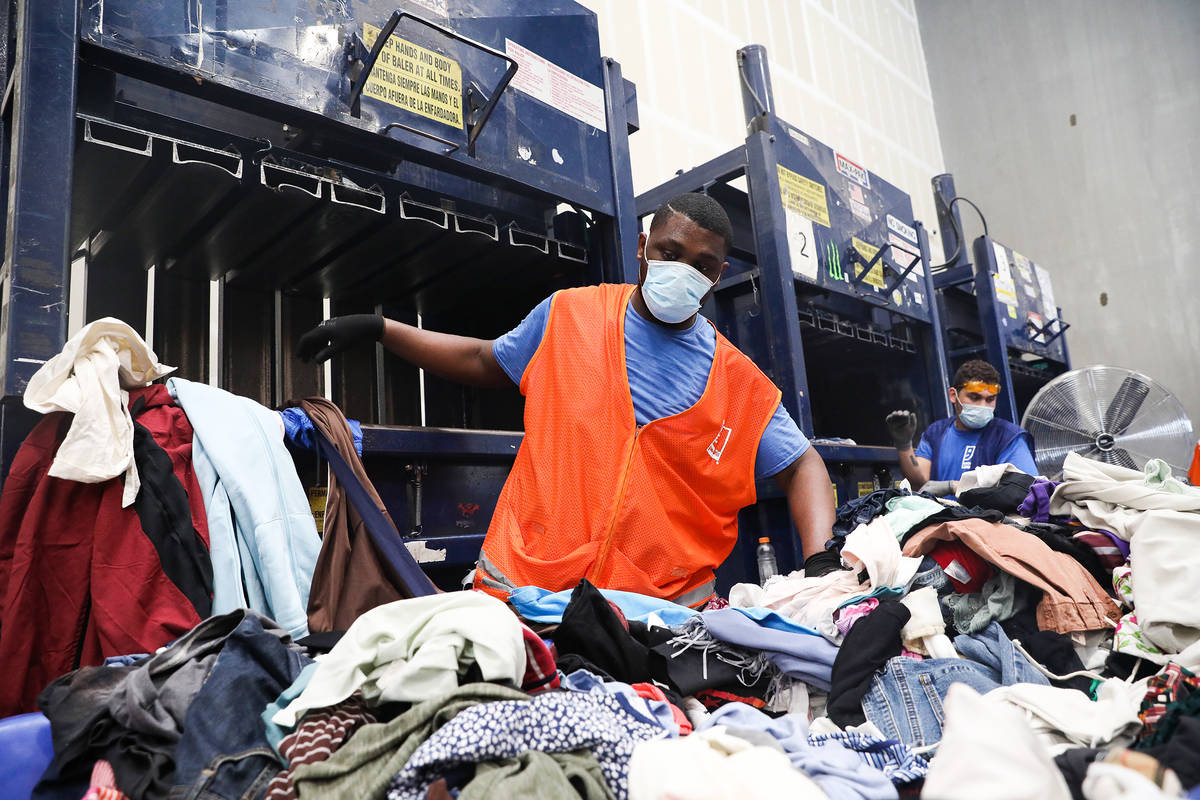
(1108, 414)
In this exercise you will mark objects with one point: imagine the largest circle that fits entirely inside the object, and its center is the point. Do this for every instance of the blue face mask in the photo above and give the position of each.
(673, 290)
(976, 417)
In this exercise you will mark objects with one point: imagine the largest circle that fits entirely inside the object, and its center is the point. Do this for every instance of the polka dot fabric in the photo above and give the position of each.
(557, 722)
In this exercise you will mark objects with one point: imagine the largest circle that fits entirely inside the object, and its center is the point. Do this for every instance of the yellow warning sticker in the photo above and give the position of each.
(1012, 311)
(834, 487)
(418, 80)
(867, 251)
(805, 197)
(318, 496)
(865, 488)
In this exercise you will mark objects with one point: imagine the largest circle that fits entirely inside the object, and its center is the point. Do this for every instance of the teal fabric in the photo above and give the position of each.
(907, 510)
(275, 733)
(541, 605)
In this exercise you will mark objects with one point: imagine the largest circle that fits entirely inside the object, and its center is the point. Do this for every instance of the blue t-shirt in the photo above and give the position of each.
(957, 453)
(667, 370)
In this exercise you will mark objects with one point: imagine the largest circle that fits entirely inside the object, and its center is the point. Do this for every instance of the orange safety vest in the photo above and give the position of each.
(648, 508)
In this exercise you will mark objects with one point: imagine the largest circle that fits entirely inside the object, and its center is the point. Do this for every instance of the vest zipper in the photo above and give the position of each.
(602, 557)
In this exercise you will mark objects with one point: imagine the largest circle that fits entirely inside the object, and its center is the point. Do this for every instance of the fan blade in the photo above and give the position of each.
(1125, 404)
(1121, 458)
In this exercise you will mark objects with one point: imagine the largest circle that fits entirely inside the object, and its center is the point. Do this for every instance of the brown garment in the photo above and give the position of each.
(350, 577)
(1072, 600)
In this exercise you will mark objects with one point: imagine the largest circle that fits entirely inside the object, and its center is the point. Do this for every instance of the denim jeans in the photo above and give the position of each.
(224, 753)
(905, 700)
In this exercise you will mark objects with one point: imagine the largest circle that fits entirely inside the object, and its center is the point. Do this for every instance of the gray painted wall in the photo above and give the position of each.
(1109, 205)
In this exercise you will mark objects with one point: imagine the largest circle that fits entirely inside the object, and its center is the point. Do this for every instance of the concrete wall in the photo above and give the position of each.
(850, 72)
(1075, 125)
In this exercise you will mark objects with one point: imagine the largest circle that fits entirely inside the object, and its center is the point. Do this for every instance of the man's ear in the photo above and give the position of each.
(641, 251)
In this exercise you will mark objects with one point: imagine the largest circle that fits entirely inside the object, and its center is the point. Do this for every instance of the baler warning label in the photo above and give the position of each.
(805, 197)
(418, 80)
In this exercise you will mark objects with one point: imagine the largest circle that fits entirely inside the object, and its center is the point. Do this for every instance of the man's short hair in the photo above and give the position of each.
(700, 209)
(976, 370)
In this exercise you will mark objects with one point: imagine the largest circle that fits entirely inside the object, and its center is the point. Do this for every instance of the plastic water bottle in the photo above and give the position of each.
(766, 560)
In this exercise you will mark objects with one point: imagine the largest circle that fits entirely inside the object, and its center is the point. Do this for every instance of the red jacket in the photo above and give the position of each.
(79, 578)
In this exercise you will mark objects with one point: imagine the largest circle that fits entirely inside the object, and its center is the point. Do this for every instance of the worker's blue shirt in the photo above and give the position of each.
(667, 370)
(957, 454)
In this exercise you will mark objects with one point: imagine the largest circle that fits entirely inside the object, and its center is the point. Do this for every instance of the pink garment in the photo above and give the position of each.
(103, 784)
(848, 615)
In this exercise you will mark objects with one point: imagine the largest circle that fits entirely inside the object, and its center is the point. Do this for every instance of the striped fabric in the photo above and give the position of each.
(894, 759)
(103, 784)
(1110, 555)
(320, 733)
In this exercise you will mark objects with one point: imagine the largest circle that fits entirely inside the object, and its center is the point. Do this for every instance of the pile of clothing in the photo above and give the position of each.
(197, 637)
(134, 510)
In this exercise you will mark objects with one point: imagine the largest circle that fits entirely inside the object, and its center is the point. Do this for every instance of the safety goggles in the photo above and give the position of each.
(979, 387)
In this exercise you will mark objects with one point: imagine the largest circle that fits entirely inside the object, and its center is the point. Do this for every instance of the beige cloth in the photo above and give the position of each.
(712, 765)
(1071, 599)
(988, 752)
(925, 631)
(1113, 498)
(1067, 718)
(811, 601)
(89, 378)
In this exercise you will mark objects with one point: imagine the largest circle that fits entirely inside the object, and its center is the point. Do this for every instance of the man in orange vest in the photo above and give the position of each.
(645, 429)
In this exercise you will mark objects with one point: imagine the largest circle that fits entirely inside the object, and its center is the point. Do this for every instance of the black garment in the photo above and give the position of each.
(858, 511)
(1052, 650)
(162, 508)
(1007, 495)
(591, 629)
(1073, 764)
(1122, 665)
(953, 514)
(321, 642)
(694, 670)
(866, 649)
(1181, 752)
(1059, 538)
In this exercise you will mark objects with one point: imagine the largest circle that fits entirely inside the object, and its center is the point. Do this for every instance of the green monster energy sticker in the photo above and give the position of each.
(834, 261)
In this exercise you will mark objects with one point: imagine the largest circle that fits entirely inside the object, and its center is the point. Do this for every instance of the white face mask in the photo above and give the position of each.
(673, 290)
(976, 417)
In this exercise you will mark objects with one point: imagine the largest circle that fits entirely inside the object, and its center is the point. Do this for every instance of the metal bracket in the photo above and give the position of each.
(1044, 330)
(855, 257)
(355, 50)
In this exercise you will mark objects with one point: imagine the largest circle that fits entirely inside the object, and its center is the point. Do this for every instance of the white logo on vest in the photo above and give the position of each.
(718, 444)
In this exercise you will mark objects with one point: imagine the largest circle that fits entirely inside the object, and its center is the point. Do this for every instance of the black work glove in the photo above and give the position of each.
(822, 563)
(902, 425)
(338, 334)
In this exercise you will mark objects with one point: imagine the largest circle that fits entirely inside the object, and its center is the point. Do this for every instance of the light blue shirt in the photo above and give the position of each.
(667, 371)
(953, 454)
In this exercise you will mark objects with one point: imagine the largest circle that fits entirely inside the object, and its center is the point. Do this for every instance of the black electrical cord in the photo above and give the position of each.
(958, 231)
(762, 107)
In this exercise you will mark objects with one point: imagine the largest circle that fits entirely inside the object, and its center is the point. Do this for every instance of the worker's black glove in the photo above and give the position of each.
(338, 334)
(822, 563)
(902, 425)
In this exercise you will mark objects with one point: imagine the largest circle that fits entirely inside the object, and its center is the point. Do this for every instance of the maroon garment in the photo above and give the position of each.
(316, 738)
(79, 578)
